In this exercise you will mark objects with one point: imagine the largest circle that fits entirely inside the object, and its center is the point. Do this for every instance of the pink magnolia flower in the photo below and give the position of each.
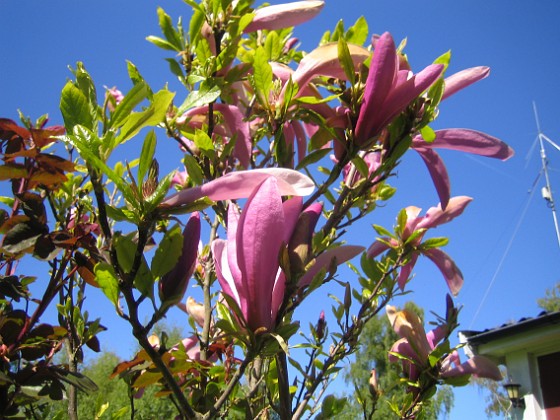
(285, 15)
(461, 139)
(240, 184)
(172, 286)
(464, 78)
(323, 61)
(247, 264)
(415, 224)
(389, 91)
(416, 346)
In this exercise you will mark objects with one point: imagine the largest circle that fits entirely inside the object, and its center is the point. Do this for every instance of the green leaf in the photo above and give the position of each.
(74, 107)
(161, 43)
(346, 60)
(204, 143)
(207, 93)
(134, 74)
(80, 381)
(137, 94)
(358, 33)
(361, 166)
(168, 30)
(434, 243)
(272, 46)
(126, 251)
(195, 25)
(159, 194)
(313, 157)
(316, 99)
(85, 141)
(154, 115)
(428, 134)
(193, 170)
(147, 154)
(381, 231)
(402, 218)
(282, 342)
(105, 277)
(168, 252)
(262, 76)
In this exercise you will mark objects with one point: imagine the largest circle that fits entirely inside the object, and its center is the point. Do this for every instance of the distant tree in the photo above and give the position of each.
(551, 301)
(376, 340)
(114, 400)
(495, 396)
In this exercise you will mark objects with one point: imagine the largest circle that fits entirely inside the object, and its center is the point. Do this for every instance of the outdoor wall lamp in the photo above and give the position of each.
(513, 395)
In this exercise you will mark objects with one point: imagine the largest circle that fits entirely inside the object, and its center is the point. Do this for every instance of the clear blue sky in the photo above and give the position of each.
(517, 39)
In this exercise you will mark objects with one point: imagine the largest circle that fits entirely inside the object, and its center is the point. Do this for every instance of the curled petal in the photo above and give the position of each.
(341, 254)
(464, 78)
(438, 173)
(436, 335)
(323, 61)
(436, 216)
(406, 271)
(451, 273)
(478, 366)
(469, 141)
(241, 184)
(285, 15)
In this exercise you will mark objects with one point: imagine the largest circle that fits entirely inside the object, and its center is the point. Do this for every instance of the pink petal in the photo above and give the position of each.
(323, 61)
(241, 184)
(286, 15)
(450, 271)
(260, 234)
(469, 141)
(342, 254)
(292, 210)
(478, 366)
(403, 95)
(436, 216)
(464, 78)
(223, 272)
(436, 335)
(377, 248)
(406, 271)
(232, 223)
(438, 172)
(403, 348)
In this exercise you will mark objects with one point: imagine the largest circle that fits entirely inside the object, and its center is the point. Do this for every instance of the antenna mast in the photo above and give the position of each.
(547, 190)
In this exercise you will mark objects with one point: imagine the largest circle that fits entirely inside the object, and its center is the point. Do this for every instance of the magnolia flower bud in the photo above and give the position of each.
(300, 243)
(281, 16)
(321, 326)
(173, 285)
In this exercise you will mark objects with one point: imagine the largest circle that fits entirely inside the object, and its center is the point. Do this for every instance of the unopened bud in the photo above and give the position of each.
(280, 16)
(300, 243)
(321, 326)
(173, 285)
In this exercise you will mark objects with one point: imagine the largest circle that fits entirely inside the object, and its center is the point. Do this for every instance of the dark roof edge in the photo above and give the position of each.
(479, 337)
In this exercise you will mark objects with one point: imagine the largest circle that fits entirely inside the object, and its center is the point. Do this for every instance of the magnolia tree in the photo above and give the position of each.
(283, 151)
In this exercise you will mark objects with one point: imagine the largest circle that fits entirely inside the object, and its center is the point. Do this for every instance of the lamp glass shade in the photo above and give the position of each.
(512, 390)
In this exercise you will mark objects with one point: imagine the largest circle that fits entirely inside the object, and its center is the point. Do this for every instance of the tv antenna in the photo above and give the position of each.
(546, 191)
